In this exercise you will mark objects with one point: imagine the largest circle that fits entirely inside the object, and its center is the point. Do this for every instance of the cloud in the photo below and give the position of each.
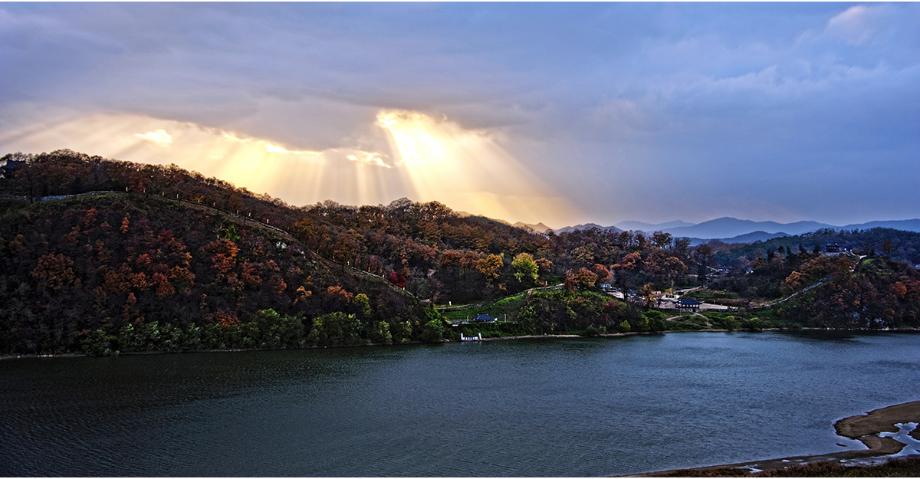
(598, 100)
(158, 137)
(368, 158)
(856, 24)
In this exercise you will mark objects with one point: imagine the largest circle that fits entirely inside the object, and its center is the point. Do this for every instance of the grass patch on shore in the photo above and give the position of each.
(727, 320)
(499, 308)
(709, 295)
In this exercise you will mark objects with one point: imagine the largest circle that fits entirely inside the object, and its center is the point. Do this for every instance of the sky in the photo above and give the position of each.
(561, 113)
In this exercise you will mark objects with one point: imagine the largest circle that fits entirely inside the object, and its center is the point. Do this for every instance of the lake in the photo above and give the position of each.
(555, 407)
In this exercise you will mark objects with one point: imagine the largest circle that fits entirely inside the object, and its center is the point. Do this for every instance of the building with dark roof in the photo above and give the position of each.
(689, 304)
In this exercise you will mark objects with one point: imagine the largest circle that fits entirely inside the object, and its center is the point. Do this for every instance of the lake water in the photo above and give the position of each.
(564, 407)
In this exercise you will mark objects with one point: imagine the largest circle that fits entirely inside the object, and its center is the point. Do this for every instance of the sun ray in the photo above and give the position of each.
(466, 169)
(429, 159)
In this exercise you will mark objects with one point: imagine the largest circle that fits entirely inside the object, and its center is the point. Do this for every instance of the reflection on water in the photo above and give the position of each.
(573, 407)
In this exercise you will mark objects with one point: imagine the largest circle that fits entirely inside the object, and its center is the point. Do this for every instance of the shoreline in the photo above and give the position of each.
(8, 357)
(866, 428)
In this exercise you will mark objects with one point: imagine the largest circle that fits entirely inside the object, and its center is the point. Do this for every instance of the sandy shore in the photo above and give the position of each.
(865, 427)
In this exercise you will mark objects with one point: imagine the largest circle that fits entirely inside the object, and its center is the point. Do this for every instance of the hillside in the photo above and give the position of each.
(403, 242)
(144, 270)
(900, 245)
(874, 293)
(425, 248)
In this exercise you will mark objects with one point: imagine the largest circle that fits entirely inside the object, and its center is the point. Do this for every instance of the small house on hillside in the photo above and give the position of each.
(688, 304)
(485, 318)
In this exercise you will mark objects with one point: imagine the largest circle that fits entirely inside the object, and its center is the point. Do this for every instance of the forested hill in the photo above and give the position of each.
(101, 255)
(159, 274)
(425, 248)
(104, 254)
(896, 244)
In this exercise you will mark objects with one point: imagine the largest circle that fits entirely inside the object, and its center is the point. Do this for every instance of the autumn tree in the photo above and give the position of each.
(603, 274)
(546, 267)
(490, 266)
(525, 268)
(649, 295)
(581, 279)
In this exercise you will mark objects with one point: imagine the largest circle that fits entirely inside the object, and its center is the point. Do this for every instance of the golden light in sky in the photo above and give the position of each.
(429, 159)
(466, 169)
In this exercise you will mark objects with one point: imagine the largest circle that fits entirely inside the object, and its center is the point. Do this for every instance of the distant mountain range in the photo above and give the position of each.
(735, 230)
(536, 228)
(587, 226)
(643, 226)
(751, 237)
(731, 227)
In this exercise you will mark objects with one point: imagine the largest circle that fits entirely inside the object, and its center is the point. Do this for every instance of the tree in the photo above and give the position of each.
(887, 247)
(279, 330)
(54, 271)
(661, 240)
(490, 266)
(624, 271)
(432, 331)
(648, 294)
(793, 281)
(525, 269)
(704, 256)
(402, 332)
(583, 279)
(682, 248)
(381, 333)
(363, 306)
(603, 274)
(546, 267)
(97, 343)
(335, 329)
(674, 267)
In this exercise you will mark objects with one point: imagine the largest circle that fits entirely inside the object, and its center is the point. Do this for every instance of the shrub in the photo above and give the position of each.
(97, 343)
(432, 331)
(336, 329)
(381, 333)
(402, 332)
